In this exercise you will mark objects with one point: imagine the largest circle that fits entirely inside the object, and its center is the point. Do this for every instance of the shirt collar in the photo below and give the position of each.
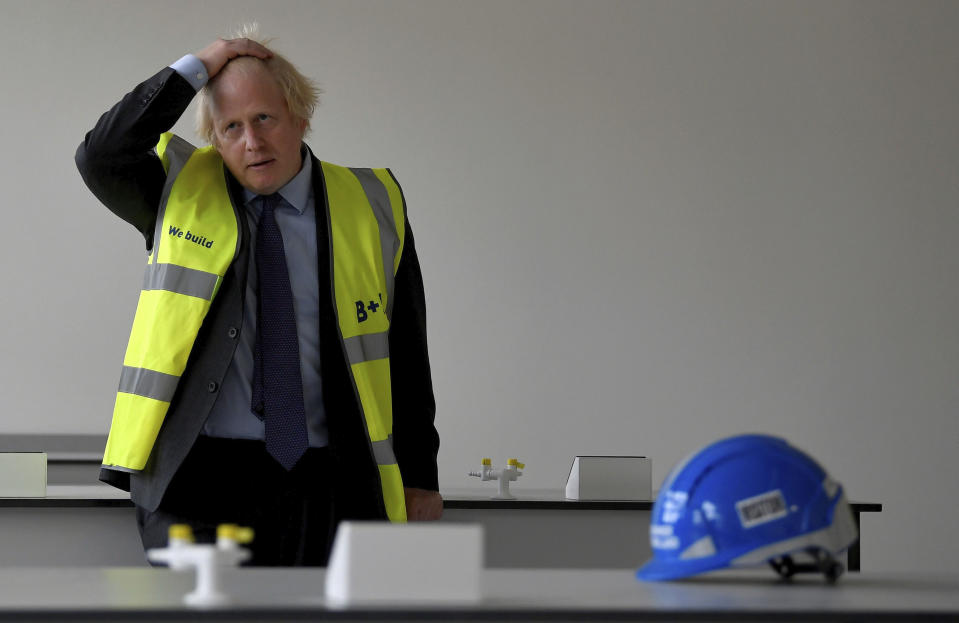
(297, 191)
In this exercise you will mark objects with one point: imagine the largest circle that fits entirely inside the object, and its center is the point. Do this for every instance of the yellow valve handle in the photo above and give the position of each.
(234, 532)
(226, 531)
(181, 531)
(244, 535)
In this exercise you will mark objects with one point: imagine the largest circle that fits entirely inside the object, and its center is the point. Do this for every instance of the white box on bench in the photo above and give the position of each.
(23, 474)
(610, 478)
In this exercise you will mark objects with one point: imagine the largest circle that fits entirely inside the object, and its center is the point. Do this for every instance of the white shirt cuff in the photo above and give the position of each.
(193, 71)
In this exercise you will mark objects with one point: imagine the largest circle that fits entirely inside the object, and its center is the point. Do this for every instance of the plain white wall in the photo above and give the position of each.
(642, 225)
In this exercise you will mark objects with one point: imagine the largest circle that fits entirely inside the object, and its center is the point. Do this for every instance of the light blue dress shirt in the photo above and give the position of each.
(231, 416)
(192, 70)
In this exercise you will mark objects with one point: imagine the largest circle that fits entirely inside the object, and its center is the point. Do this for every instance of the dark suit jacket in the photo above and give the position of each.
(118, 163)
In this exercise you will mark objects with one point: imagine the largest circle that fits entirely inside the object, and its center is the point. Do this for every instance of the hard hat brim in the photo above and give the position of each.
(659, 570)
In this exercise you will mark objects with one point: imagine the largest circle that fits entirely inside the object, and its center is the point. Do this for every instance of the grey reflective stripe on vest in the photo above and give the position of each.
(148, 383)
(383, 451)
(117, 468)
(180, 279)
(389, 238)
(369, 347)
(178, 151)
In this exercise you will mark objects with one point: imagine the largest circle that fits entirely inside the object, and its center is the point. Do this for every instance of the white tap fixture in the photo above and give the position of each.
(182, 553)
(504, 476)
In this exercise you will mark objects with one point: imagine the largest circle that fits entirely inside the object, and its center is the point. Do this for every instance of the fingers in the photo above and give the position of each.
(216, 55)
(422, 505)
(246, 47)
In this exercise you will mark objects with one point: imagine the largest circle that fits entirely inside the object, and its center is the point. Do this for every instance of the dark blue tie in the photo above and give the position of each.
(277, 383)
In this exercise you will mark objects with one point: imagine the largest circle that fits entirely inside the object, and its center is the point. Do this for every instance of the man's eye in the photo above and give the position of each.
(263, 116)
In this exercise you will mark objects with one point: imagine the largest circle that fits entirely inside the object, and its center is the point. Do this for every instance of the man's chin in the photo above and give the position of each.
(260, 187)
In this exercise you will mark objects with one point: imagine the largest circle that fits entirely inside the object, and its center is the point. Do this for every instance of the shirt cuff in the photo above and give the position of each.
(193, 71)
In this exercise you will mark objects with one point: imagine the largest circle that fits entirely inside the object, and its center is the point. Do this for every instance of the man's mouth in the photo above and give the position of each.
(260, 163)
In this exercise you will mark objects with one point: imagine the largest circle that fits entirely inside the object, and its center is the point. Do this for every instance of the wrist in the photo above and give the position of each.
(193, 70)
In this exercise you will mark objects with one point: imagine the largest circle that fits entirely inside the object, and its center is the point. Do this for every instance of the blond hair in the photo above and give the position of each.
(301, 93)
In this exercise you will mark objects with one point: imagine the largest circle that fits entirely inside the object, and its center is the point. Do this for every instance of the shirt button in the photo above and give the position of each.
(232, 332)
(212, 387)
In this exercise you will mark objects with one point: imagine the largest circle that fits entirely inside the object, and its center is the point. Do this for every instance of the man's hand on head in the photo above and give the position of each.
(222, 51)
(422, 504)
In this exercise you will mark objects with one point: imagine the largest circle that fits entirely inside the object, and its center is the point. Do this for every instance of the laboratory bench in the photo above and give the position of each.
(95, 525)
(571, 595)
(82, 522)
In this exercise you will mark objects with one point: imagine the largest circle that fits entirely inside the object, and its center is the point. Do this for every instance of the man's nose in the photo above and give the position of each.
(252, 138)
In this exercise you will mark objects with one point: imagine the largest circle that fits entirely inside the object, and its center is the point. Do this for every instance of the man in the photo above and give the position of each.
(277, 373)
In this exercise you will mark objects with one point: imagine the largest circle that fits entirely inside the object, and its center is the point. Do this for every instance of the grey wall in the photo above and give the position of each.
(643, 225)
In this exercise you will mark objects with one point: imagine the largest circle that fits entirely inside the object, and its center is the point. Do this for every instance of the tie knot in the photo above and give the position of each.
(270, 201)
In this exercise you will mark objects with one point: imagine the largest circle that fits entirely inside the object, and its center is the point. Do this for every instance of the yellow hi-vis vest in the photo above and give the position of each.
(196, 240)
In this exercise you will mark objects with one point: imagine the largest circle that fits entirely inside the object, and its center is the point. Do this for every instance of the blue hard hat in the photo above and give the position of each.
(744, 501)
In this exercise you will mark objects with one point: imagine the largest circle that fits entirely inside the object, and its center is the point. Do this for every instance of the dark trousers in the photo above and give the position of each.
(237, 481)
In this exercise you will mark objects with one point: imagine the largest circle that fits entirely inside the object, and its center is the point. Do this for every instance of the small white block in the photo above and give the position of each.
(23, 474)
(427, 562)
(610, 478)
